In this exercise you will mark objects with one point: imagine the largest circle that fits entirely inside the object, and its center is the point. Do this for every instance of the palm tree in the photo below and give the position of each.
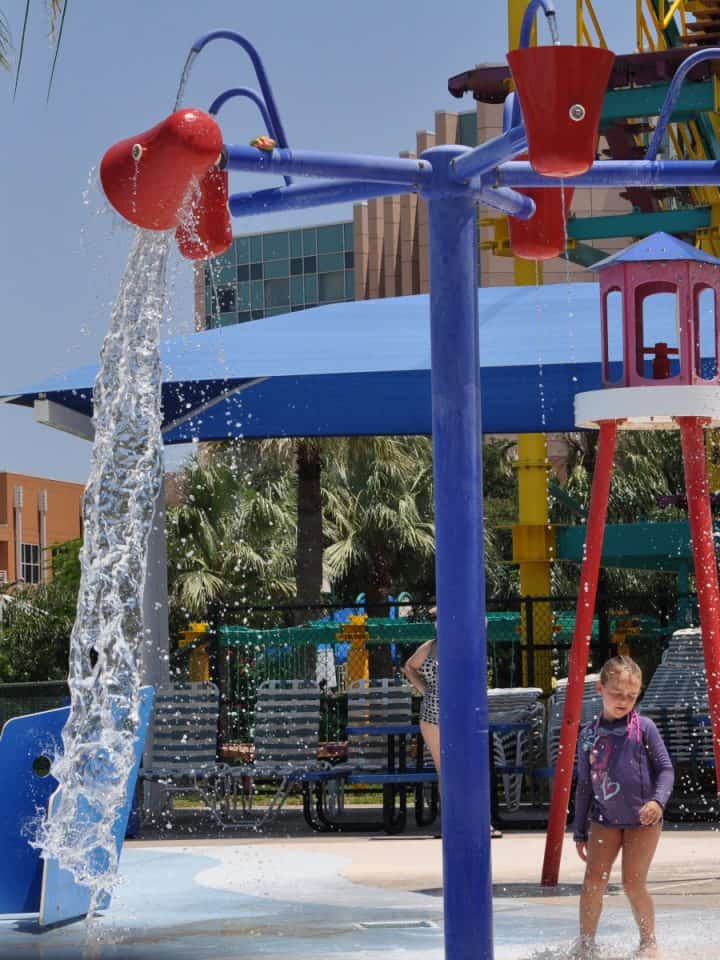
(378, 520)
(232, 536)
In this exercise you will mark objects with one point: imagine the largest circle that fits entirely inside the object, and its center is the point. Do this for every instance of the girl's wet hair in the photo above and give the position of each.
(620, 665)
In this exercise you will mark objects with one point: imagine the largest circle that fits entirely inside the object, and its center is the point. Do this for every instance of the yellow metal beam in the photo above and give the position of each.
(533, 551)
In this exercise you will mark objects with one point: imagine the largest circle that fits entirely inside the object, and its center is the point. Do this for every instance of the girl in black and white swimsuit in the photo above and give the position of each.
(422, 672)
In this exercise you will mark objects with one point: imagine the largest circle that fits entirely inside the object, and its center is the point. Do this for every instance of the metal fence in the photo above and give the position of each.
(18, 699)
(324, 652)
(528, 644)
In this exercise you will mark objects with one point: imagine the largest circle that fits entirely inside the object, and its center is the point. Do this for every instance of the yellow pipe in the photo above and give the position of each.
(533, 550)
(516, 12)
(199, 660)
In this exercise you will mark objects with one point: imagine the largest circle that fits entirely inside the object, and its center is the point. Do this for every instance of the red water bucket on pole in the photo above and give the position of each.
(561, 91)
(147, 178)
(205, 229)
(543, 236)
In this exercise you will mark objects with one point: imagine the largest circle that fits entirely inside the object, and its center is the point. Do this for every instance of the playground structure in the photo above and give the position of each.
(451, 180)
(560, 141)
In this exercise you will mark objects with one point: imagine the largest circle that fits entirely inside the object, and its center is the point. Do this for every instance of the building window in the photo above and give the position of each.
(331, 286)
(30, 560)
(330, 238)
(226, 298)
(277, 293)
(276, 246)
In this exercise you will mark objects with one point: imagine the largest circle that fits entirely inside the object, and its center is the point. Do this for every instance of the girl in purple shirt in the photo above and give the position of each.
(624, 780)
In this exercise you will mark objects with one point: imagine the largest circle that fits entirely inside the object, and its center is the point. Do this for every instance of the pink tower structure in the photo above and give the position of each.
(654, 384)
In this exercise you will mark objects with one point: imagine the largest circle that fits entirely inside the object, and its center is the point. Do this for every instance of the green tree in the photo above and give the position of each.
(231, 540)
(35, 626)
(647, 466)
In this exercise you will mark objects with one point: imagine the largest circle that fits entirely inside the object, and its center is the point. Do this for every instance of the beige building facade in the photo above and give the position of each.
(391, 233)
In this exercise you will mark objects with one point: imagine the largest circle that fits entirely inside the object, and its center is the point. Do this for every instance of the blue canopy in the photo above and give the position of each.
(363, 367)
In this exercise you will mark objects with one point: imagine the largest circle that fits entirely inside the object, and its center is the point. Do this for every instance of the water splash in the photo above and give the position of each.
(192, 56)
(107, 639)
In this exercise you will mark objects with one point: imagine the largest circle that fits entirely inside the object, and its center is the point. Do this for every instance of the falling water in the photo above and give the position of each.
(106, 642)
(192, 56)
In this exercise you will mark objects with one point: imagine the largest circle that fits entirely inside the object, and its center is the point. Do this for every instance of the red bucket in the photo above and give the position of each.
(146, 178)
(561, 91)
(206, 231)
(542, 237)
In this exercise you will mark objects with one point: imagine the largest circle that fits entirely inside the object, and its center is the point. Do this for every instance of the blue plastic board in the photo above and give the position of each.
(63, 899)
(23, 797)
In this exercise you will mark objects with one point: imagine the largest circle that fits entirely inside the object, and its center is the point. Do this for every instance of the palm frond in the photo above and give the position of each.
(26, 17)
(5, 43)
(55, 5)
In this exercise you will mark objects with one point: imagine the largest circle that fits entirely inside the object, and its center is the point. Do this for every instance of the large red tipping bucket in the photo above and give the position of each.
(542, 237)
(206, 230)
(561, 91)
(146, 178)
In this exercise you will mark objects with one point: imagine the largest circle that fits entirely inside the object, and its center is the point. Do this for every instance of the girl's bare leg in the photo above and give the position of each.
(431, 736)
(639, 846)
(602, 850)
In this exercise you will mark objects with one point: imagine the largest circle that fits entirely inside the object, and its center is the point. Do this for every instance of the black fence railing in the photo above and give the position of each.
(19, 699)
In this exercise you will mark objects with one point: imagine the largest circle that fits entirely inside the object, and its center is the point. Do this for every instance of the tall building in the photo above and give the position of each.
(35, 514)
(265, 274)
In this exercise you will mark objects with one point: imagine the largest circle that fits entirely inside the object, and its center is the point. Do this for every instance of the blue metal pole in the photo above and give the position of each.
(260, 73)
(490, 154)
(457, 453)
(529, 19)
(709, 53)
(311, 194)
(508, 201)
(614, 173)
(313, 163)
(253, 95)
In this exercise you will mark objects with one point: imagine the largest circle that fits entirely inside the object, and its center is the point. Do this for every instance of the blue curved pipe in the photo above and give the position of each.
(259, 73)
(253, 95)
(710, 53)
(529, 19)
(250, 94)
(511, 112)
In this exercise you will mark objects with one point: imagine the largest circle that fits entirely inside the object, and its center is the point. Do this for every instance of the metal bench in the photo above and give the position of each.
(183, 755)
(379, 725)
(287, 721)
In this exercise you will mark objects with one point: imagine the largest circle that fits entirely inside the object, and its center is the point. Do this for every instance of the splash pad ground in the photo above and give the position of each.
(287, 895)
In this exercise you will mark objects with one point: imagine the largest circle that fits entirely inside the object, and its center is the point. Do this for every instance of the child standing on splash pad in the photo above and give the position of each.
(624, 780)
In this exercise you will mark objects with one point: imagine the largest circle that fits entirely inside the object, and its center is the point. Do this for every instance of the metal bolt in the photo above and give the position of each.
(577, 112)
(137, 152)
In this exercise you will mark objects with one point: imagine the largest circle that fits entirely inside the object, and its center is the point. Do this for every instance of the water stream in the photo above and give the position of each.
(107, 640)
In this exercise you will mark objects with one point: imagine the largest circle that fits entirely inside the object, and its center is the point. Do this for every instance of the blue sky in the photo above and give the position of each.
(330, 64)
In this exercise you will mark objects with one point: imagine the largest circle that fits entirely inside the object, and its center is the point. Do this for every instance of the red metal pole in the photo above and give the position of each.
(579, 652)
(706, 577)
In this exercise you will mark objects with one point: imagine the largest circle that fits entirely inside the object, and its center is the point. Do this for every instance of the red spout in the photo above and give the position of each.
(147, 178)
(205, 230)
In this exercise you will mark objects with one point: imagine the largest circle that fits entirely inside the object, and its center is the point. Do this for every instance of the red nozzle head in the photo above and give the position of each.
(146, 178)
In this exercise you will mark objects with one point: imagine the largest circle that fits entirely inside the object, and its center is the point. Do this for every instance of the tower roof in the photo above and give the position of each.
(658, 246)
